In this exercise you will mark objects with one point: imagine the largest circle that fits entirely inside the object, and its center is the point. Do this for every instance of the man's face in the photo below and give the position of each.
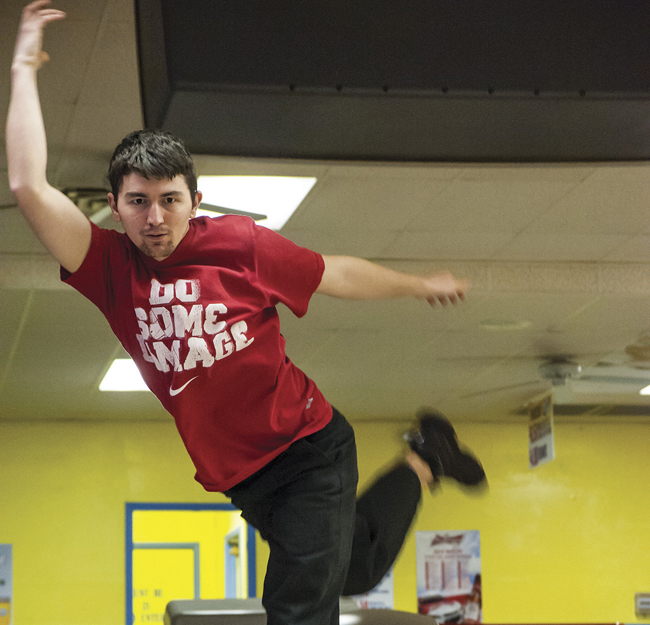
(155, 213)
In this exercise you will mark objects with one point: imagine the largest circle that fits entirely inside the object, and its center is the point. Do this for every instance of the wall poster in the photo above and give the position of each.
(449, 575)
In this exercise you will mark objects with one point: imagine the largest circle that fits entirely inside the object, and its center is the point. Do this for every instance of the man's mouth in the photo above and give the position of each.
(155, 235)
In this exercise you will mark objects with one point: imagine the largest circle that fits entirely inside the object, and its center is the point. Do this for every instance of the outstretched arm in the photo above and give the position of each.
(58, 223)
(348, 277)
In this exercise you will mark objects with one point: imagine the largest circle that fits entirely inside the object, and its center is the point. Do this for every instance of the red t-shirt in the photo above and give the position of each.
(203, 329)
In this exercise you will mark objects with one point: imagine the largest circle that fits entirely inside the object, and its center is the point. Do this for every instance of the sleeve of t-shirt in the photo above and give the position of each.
(92, 278)
(287, 272)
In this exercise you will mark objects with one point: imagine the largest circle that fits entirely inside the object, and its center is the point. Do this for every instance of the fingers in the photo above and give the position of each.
(38, 10)
(445, 298)
(36, 6)
(36, 15)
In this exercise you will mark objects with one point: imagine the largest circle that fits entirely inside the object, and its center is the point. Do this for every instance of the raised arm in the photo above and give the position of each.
(348, 277)
(56, 221)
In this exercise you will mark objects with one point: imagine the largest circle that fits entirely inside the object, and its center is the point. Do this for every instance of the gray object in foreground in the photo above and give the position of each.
(251, 612)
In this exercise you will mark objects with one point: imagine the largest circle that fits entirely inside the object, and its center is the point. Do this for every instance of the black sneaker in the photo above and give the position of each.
(436, 443)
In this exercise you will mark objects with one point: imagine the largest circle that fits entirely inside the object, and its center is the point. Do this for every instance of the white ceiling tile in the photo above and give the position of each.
(542, 312)
(602, 208)
(114, 48)
(358, 204)
(70, 44)
(594, 330)
(404, 171)
(634, 249)
(620, 173)
(57, 117)
(515, 375)
(10, 10)
(560, 247)
(346, 242)
(460, 245)
(81, 11)
(80, 168)
(526, 172)
(483, 344)
(615, 316)
(625, 280)
(490, 205)
(379, 392)
(544, 277)
(393, 318)
(119, 10)
(100, 128)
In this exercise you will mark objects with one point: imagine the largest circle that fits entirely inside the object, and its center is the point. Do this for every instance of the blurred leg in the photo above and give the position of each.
(385, 513)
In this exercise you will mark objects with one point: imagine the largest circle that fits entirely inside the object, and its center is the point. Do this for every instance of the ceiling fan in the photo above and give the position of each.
(565, 376)
(553, 371)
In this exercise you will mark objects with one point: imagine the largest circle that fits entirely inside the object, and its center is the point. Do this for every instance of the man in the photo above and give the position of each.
(193, 301)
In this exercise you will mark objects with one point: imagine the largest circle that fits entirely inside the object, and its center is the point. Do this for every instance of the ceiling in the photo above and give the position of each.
(557, 254)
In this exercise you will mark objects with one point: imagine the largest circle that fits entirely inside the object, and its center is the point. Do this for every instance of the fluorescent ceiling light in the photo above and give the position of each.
(270, 200)
(645, 390)
(123, 375)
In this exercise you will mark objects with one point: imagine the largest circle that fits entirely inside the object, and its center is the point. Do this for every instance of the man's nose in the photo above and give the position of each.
(155, 215)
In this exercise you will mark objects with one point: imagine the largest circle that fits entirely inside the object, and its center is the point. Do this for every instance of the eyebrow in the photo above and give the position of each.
(132, 194)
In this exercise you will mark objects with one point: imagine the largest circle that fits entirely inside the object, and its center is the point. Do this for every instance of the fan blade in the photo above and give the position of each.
(614, 379)
(500, 389)
(232, 211)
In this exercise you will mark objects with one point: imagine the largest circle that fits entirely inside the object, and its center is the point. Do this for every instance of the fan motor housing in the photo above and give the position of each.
(558, 372)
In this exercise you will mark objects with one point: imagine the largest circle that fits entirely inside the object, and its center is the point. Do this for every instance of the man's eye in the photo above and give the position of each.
(170, 200)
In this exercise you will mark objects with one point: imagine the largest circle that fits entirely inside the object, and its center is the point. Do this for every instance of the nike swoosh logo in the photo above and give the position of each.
(176, 391)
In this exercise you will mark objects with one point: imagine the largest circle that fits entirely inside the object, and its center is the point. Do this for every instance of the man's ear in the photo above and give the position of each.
(197, 200)
(112, 202)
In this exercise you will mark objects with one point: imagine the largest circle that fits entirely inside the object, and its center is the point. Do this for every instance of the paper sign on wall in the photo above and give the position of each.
(541, 444)
(449, 575)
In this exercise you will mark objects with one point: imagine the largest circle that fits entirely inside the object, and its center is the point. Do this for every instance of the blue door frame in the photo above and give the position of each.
(132, 507)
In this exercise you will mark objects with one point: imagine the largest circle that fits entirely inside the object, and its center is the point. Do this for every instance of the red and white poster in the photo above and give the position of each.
(449, 575)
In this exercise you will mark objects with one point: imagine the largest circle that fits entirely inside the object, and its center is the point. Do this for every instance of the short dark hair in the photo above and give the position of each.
(151, 154)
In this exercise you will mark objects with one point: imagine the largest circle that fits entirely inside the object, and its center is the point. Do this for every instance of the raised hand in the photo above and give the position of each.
(28, 50)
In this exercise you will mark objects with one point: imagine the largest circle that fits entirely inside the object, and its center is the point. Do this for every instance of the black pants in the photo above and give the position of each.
(323, 543)
(384, 514)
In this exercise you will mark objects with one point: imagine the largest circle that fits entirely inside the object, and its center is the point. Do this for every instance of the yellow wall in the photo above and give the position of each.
(567, 542)
(64, 486)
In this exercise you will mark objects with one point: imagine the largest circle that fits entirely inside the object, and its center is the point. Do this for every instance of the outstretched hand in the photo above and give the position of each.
(35, 16)
(445, 289)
